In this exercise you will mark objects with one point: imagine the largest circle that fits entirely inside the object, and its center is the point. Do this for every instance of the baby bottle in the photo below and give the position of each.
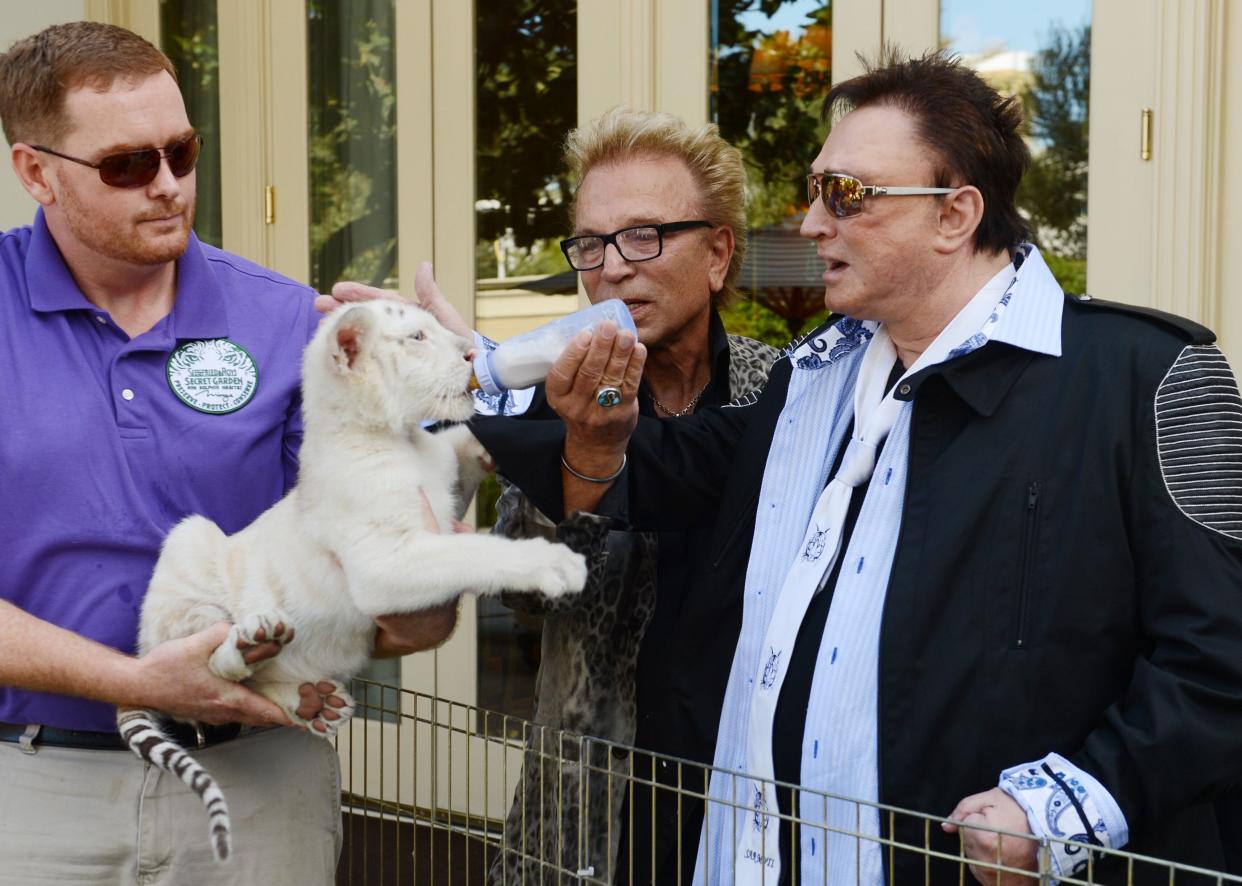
(525, 359)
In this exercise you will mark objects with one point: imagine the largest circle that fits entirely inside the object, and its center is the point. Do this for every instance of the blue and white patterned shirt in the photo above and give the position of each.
(839, 748)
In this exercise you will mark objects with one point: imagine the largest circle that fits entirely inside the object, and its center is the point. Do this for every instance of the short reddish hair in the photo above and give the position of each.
(36, 73)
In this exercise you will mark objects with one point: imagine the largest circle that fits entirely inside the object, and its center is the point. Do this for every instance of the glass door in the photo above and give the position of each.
(771, 66)
(352, 141)
(1042, 55)
(189, 36)
(526, 99)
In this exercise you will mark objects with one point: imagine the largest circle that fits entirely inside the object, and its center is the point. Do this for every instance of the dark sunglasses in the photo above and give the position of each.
(843, 194)
(137, 169)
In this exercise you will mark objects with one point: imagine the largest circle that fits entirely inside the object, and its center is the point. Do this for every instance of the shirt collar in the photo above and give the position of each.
(1030, 322)
(201, 308)
(1032, 319)
(199, 311)
(717, 392)
(717, 344)
(48, 282)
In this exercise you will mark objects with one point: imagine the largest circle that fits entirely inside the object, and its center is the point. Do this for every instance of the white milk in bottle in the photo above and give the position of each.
(525, 359)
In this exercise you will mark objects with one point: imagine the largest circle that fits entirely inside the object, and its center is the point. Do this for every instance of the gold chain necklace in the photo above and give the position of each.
(685, 410)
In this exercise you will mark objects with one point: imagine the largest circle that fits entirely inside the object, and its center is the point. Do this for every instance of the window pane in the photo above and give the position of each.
(526, 96)
(188, 38)
(353, 141)
(1042, 53)
(352, 121)
(771, 66)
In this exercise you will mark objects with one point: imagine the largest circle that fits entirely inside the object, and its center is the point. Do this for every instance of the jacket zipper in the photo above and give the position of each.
(1028, 555)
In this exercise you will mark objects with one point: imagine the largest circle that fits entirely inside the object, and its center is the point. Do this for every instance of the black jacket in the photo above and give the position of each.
(1047, 592)
(605, 653)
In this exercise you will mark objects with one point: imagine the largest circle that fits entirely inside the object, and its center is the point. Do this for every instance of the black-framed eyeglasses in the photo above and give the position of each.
(843, 194)
(137, 169)
(636, 243)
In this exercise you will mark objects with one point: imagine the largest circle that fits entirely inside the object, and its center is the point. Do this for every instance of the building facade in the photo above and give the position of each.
(350, 140)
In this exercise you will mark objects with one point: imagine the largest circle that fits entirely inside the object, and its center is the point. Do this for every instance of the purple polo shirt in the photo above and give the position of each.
(99, 457)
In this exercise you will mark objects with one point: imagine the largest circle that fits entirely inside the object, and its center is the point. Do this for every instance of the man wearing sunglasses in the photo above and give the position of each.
(987, 536)
(147, 377)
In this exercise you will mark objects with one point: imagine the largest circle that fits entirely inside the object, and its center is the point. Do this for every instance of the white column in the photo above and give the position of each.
(1187, 154)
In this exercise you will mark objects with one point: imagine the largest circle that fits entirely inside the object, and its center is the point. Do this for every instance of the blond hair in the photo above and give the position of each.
(38, 71)
(622, 134)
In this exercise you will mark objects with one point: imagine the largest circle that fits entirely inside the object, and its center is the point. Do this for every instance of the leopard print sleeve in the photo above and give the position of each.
(517, 517)
(750, 362)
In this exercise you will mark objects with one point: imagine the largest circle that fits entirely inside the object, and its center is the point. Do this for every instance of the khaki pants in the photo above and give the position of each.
(85, 816)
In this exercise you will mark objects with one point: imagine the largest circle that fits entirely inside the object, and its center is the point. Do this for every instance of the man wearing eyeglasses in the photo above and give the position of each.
(987, 536)
(146, 377)
(659, 222)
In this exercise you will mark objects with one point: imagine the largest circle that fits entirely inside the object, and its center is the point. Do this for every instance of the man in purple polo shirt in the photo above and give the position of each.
(110, 433)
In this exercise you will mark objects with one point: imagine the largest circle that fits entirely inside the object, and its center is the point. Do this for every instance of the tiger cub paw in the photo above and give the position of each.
(338, 708)
(556, 570)
(263, 627)
(233, 659)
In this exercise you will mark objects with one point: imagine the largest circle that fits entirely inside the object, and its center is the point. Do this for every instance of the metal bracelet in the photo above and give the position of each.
(607, 479)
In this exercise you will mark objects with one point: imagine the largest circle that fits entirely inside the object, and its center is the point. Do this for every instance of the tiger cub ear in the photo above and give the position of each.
(351, 336)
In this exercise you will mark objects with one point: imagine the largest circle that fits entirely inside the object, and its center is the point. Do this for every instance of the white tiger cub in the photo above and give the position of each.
(351, 541)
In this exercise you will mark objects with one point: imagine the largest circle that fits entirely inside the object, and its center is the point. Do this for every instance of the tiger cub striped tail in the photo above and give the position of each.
(141, 731)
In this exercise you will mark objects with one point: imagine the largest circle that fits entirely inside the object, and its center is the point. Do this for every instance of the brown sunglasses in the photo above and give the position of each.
(137, 169)
(843, 194)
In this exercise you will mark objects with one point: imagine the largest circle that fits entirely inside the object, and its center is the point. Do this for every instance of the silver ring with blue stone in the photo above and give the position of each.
(608, 396)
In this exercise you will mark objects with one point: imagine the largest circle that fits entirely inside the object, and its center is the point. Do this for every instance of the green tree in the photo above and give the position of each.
(766, 95)
(1054, 191)
(767, 91)
(353, 141)
(527, 99)
(751, 318)
(188, 34)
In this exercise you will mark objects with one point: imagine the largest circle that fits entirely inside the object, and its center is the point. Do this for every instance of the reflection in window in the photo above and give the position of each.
(526, 97)
(1042, 53)
(771, 66)
(352, 122)
(353, 141)
(526, 100)
(188, 38)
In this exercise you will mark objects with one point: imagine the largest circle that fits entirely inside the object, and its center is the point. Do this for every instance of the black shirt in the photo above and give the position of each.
(681, 725)
(668, 725)
(789, 722)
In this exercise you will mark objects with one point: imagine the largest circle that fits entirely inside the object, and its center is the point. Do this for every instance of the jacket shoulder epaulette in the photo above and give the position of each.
(1189, 330)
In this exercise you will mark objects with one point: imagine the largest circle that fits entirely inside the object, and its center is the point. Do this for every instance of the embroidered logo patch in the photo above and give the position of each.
(212, 375)
(759, 817)
(770, 670)
(815, 546)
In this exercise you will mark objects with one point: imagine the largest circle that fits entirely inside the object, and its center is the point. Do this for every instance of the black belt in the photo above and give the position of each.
(182, 733)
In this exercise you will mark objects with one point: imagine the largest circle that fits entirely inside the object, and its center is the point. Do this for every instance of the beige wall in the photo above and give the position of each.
(1229, 310)
(20, 20)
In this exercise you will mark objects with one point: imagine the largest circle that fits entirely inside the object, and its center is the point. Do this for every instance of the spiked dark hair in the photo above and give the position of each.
(973, 131)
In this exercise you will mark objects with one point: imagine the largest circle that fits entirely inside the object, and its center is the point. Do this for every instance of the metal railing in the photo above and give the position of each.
(435, 791)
